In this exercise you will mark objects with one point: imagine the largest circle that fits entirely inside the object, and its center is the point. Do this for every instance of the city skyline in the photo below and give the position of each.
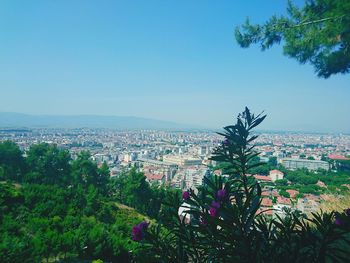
(169, 61)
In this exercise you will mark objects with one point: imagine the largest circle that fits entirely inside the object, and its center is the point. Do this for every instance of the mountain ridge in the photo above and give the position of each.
(14, 119)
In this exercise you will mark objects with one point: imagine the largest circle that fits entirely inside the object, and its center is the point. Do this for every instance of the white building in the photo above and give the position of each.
(294, 164)
(182, 160)
(276, 175)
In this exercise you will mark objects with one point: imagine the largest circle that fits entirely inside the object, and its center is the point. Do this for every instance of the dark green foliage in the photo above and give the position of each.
(62, 209)
(284, 193)
(227, 226)
(131, 188)
(305, 181)
(281, 182)
(342, 165)
(47, 165)
(40, 222)
(272, 161)
(318, 33)
(86, 173)
(65, 209)
(12, 165)
(257, 166)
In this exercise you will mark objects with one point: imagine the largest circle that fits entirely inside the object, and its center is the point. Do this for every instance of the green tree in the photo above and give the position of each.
(48, 165)
(45, 222)
(12, 165)
(137, 190)
(92, 201)
(117, 186)
(15, 249)
(10, 199)
(103, 177)
(284, 193)
(318, 33)
(272, 161)
(85, 172)
(281, 182)
(302, 156)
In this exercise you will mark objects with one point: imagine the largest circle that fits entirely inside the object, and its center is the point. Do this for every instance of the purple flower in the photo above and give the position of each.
(138, 231)
(213, 209)
(338, 221)
(203, 222)
(221, 194)
(213, 212)
(186, 195)
(347, 211)
(215, 204)
(143, 225)
(226, 142)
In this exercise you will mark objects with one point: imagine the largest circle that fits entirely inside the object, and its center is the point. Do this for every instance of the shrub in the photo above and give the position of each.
(226, 224)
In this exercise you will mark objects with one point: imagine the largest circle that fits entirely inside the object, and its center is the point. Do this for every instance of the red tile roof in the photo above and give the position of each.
(154, 176)
(337, 157)
(283, 200)
(276, 171)
(265, 193)
(292, 193)
(262, 178)
(218, 172)
(266, 202)
(321, 184)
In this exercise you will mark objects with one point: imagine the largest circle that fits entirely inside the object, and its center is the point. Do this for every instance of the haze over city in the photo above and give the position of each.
(174, 61)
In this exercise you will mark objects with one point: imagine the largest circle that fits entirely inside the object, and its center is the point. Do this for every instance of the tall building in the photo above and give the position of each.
(202, 150)
(182, 160)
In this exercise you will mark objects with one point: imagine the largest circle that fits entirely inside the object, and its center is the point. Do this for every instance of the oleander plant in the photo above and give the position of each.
(223, 221)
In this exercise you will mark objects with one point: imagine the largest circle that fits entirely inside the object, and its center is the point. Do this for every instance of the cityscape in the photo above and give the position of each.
(174, 131)
(181, 159)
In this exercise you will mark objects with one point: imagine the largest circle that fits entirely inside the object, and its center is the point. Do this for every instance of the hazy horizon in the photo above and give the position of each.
(162, 124)
(172, 61)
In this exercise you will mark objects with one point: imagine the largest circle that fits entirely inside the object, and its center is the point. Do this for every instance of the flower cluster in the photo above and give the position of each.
(186, 195)
(221, 196)
(213, 209)
(138, 231)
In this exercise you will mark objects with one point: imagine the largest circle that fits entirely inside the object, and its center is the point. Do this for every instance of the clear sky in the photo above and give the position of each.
(169, 60)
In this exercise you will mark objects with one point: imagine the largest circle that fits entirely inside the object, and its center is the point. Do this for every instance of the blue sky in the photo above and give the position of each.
(170, 60)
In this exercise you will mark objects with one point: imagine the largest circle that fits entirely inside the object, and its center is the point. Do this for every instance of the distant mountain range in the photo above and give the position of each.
(16, 120)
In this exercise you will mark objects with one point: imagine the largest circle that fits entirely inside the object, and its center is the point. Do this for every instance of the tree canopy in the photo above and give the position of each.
(54, 208)
(317, 33)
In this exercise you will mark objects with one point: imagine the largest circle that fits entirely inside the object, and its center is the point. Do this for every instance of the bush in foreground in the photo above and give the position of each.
(223, 222)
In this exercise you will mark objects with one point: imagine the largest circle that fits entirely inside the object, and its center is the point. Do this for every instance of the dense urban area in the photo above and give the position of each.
(90, 194)
(301, 171)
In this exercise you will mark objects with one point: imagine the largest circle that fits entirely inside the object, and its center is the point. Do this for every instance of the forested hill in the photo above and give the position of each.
(53, 208)
(46, 222)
